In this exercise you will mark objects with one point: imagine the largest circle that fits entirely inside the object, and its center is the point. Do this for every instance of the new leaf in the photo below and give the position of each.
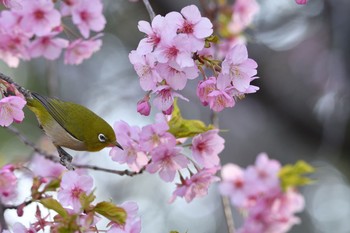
(294, 175)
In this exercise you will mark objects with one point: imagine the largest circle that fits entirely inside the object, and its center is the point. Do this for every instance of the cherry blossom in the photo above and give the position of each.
(233, 184)
(206, 147)
(8, 184)
(167, 159)
(243, 14)
(87, 15)
(197, 185)
(154, 34)
(79, 49)
(143, 106)
(68, 5)
(146, 68)
(45, 168)
(71, 187)
(40, 13)
(11, 110)
(133, 222)
(204, 88)
(47, 46)
(131, 154)
(192, 24)
(175, 76)
(20, 228)
(239, 67)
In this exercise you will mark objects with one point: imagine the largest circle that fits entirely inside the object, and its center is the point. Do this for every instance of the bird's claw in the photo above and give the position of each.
(65, 158)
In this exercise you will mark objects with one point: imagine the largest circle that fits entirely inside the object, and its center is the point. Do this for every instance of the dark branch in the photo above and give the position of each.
(21, 89)
(56, 159)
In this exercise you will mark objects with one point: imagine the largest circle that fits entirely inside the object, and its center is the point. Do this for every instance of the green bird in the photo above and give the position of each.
(71, 125)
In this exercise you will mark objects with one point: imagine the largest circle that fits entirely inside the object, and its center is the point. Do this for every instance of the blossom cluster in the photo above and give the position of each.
(75, 195)
(31, 29)
(232, 22)
(11, 105)
(154, 148)
(175, 50)
(257, 192)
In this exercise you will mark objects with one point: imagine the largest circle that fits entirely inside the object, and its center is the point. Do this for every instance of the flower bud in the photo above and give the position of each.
(143, 106)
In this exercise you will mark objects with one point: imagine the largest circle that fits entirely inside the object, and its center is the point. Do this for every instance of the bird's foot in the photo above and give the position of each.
(65, 158)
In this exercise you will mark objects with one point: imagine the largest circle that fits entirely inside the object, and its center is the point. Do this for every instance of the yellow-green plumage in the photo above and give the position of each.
(71, 125)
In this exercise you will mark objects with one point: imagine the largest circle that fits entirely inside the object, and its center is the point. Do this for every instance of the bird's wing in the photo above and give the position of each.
(56, 111)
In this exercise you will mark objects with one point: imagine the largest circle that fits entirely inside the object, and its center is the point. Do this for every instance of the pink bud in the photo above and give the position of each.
(301, 2)
(143, 106)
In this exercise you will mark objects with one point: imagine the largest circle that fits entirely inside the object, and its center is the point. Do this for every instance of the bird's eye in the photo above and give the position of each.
(101, 137)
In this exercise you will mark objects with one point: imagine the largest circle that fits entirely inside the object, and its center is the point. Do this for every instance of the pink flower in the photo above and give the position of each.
(71, 187)
(197, 185)
(39, 17)
(8, 184)
(263, 177)
(47, 46)
(167, 159)
(154, 34)
(175, 49)
(144, 107)
(20, 228)
(68, 5)
(205, 87)
(175, 76)
(13, 4)
(146, 69)
(133, 222)
(206, 147)
(220, 99)
(193, 25)
(79, 50)
(301, 2)
(11, 110)
(132, 154)
(87, 15)
(46, 168)
(233, 184)
(239, 67)
(154, 135)
(164, 98)
(243, 14)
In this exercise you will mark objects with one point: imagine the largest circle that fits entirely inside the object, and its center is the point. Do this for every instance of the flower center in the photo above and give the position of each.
(39, 14)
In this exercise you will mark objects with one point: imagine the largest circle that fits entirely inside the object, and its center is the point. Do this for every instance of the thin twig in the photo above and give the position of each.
(3, 223)
(55, 158)
(21, 89)
(149, 9)
(225, 201)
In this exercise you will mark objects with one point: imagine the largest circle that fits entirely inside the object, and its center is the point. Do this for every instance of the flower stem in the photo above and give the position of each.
(149, 9)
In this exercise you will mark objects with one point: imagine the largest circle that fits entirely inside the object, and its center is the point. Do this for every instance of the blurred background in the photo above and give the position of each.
(301, 111)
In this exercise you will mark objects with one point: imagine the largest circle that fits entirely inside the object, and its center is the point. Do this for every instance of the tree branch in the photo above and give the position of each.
(55, 158)
(225, 200)
(21, 89)
(149, 9)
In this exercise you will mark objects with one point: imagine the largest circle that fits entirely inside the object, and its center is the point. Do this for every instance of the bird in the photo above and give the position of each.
(72, 126)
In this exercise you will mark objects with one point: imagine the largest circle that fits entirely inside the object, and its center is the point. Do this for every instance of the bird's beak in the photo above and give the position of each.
(117, 145)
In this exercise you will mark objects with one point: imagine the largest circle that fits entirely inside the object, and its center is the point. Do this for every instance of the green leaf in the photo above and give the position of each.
(181, 128)
(86, 200)
(111, 212)
(294, 175)
(52, 204)
(53, 185)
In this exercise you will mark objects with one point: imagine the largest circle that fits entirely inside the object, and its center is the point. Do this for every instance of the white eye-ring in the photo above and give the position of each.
(101, 137)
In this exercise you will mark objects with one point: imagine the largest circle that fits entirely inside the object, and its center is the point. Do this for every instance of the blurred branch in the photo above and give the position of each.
(55, 159)
(149, 9)
(3, 223)
(225, 200)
